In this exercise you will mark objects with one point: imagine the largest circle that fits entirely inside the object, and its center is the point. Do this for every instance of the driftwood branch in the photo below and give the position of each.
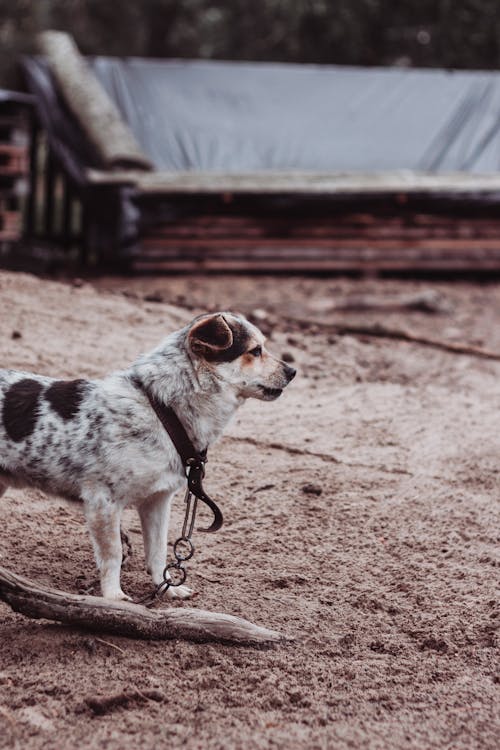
(124, 618)
(90, 104)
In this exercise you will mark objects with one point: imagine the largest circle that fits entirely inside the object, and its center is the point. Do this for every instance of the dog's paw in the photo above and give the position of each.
(180, 592)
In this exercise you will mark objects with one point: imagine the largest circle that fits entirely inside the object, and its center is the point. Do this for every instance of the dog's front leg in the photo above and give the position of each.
(155, 515)
(103, 519)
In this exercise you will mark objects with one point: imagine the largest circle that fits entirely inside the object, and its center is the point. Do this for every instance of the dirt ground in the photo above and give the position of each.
(362, 518)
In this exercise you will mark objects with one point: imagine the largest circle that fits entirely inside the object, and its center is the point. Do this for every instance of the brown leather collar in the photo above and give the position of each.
(193, 460)
(173, 425)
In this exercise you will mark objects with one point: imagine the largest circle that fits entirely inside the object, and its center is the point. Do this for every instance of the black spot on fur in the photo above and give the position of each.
(65, 397)
(20, 409)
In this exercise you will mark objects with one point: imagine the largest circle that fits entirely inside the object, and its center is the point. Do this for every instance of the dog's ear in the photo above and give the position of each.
(210, 335)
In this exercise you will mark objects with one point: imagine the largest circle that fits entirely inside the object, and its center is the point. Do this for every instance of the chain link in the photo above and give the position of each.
(183, 551)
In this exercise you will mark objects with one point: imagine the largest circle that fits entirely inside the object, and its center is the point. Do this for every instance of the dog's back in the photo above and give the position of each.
(40, 438)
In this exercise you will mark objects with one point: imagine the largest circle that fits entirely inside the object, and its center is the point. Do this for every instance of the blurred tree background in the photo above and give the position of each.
(437, 33)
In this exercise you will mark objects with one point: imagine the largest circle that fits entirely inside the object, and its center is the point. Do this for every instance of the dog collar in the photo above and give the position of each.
(194, 461)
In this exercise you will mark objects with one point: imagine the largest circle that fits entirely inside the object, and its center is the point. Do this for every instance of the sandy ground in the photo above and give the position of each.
(362, 518)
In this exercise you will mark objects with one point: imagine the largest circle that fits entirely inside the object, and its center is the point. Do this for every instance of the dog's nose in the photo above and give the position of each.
(290, 372)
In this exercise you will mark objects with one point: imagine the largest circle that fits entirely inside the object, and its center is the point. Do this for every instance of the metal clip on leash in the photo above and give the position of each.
(183, 546)
(183, 551)
(194, 464)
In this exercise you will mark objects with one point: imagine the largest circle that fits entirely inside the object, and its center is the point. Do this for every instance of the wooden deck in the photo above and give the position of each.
(348, 242)
(338, 222)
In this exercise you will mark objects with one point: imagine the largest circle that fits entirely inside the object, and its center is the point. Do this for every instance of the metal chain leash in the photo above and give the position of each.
(174, 573)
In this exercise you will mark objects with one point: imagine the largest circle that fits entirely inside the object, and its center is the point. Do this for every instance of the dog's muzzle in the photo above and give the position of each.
(270, 394)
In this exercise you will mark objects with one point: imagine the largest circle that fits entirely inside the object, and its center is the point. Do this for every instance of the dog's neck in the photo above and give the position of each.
(201, 401)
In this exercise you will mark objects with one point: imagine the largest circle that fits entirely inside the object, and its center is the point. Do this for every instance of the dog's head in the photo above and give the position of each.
(235, 351)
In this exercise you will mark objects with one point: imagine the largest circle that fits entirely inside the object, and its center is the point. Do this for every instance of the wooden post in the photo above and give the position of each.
(49, 184)
(66, 223)
(30, 220)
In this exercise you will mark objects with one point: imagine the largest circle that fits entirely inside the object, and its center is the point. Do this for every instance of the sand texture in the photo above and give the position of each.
(361, 519)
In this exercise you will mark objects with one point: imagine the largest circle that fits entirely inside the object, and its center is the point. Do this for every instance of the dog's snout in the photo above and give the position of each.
(290, 372)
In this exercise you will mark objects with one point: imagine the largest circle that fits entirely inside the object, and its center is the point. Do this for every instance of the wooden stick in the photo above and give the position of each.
(108, 643)
(124, 618)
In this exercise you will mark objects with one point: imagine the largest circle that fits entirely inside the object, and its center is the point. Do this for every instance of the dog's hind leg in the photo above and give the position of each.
(155, 515)
(103, 520)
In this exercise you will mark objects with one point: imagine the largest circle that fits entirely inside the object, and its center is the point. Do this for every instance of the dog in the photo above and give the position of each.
(101, 442)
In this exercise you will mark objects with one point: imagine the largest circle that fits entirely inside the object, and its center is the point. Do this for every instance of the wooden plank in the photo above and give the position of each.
(9, 235)
(301, 232)
(10, 220)
(294, 183)
(14, 160)
(312, 255)
(296, 228)
(409, 256)
(250, 245)
(344, 219)
(307, 266)
(269, 251)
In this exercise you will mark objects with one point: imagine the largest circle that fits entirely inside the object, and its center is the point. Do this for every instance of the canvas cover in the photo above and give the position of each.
(244, 117)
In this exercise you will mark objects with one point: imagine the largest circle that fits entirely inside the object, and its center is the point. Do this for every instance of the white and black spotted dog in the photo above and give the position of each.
(101, 442)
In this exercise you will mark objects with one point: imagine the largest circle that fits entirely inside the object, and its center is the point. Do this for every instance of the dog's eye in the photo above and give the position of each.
(256, 352)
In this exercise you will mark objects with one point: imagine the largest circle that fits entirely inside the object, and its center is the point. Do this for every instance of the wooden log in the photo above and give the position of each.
(302, 231)
(327, 265)
(400, 183)
(90, 104)
(255, 219)
(440, 245)
(348, 221)
(125, 618)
